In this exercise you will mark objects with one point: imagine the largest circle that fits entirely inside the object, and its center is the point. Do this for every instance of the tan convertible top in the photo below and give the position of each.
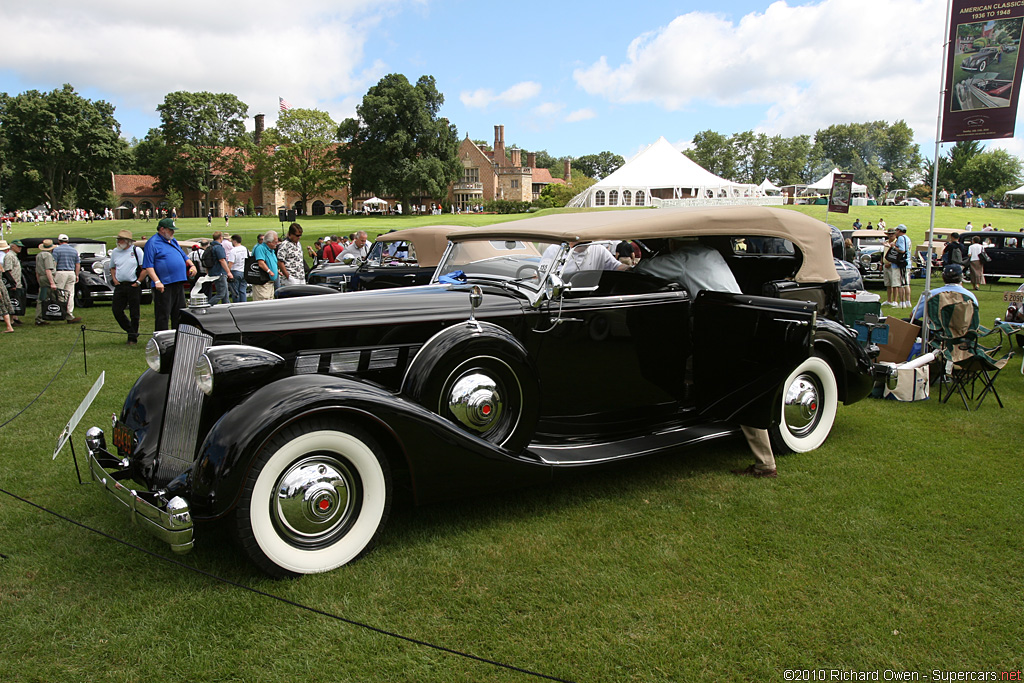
(811, 236)
(429, 241)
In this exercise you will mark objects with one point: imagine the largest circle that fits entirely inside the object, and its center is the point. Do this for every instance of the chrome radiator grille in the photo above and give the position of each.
(184, 405)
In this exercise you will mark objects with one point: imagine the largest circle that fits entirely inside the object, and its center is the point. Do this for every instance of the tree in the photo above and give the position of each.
(598, 165)
(869, 149)
(59, 147)
(989, 171)
(559, 194)
(304, 159)
(150, 155)
(397, 146)
(206, 144)
(714, 153)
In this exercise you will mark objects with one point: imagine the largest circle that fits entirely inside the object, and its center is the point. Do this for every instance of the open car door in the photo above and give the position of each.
(744, 347)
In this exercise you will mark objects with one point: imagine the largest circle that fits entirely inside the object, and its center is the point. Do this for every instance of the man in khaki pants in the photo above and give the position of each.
(69, 264)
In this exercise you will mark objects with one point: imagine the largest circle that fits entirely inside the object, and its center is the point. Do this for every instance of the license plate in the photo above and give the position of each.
(124, 438)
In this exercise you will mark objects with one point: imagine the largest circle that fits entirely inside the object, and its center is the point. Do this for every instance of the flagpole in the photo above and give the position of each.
(935, 177)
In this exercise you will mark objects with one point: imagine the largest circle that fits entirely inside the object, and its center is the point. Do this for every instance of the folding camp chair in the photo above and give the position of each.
(969, 369)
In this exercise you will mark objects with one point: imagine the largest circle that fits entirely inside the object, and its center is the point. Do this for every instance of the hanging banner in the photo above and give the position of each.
(983, 70)
(839, 196)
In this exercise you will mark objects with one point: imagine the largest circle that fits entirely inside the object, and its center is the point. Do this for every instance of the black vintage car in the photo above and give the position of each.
(94, 276)
(979, 60)
(402, 258)
(1005, 251)
(297, 421)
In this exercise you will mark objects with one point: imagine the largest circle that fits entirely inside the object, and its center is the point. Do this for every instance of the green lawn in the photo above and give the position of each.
(896, 546)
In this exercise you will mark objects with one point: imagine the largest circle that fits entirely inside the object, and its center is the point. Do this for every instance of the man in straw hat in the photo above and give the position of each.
(127, 276)
(45, 266)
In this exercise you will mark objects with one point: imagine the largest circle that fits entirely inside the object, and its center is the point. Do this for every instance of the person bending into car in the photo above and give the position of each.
(582, 257)
(170, 268)
(697, 267)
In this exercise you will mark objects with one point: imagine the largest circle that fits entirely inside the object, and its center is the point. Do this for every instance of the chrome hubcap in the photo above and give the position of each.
(475, 401)
(315, 498)
(802, 407)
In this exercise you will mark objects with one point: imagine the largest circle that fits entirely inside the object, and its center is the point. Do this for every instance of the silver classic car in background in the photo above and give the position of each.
(297, 422)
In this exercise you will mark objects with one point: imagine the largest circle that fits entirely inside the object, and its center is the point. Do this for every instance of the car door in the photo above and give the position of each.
(744, 347)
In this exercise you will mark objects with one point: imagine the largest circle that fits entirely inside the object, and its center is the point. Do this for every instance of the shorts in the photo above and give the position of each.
(891, 276)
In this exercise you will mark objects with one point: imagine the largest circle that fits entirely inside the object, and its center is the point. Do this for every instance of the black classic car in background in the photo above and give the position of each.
(1005, 250)
(296, 422)
(402, 258)
(94, 277)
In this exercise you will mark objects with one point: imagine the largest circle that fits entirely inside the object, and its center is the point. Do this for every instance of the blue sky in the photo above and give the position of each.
(570, 77)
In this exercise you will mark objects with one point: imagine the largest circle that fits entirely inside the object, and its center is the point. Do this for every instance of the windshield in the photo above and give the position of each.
(870, 241)
(495, 260)
(396, 253)
(91, 249)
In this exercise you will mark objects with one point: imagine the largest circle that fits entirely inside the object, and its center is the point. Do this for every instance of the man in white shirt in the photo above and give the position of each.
(359, 248)
(236, 262)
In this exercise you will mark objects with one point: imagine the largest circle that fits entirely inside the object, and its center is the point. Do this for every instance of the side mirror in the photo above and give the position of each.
(553, 288)
(348, 259)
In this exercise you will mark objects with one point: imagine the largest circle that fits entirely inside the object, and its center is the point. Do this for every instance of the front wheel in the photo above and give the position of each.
(316, 497)
(809, 402)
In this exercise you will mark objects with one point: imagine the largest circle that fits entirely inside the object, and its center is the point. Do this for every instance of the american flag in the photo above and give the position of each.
(283, 103)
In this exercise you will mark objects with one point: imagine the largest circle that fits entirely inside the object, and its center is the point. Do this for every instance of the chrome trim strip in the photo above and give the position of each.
(184, 405)
(648, 451)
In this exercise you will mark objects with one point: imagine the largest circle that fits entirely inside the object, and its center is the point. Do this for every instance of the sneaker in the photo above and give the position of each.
(752, 471)
(74, 320)
(42, 322)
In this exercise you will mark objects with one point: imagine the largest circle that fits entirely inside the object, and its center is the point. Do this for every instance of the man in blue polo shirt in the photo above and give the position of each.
(169, 268)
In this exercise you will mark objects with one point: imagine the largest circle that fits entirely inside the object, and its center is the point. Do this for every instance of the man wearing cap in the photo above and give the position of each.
(69, 264)
(903, 246)
(45, 268)
(952, 276)
(221, 270)
(127, 276)
(169, 268)
(12, 265)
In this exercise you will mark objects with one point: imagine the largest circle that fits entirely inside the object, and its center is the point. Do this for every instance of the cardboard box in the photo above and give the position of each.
(901, 341)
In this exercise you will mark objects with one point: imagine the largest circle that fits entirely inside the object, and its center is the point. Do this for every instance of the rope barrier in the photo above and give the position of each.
(286, 601)
(81, 335)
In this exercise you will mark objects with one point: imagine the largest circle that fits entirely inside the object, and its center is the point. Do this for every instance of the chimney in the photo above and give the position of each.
(567, 170)
(258, 133)
(531, 159)
(499, 146)
(517, 156)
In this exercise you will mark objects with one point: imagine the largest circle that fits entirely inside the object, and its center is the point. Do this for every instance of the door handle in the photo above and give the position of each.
(800, 323)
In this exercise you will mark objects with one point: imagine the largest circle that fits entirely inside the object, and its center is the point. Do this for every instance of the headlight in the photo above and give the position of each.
(204, 374)
(235, 366)
(865, 259)
(160, 351)
(98, 267)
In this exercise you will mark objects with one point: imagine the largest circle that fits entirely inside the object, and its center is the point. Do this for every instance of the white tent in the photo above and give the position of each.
(824, 184)
(1019, 190)
(767, 186)
(375, 200)
(661, 172)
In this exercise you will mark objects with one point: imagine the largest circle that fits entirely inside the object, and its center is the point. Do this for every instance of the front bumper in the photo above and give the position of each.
(168, 520)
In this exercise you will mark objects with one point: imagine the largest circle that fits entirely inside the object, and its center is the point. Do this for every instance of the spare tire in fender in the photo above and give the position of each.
(479, 376)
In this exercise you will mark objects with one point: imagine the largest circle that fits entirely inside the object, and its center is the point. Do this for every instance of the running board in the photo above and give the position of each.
(608, 451)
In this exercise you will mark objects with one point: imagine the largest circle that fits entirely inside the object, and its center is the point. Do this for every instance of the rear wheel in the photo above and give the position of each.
(316, 497)
(809, 402)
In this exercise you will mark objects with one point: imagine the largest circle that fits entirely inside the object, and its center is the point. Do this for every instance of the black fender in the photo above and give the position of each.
(850, 363)
(143, 413)
(292, 291)
(501, 355)
(440, 460)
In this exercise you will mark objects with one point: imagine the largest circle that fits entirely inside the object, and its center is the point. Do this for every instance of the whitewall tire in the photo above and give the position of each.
(810, 399)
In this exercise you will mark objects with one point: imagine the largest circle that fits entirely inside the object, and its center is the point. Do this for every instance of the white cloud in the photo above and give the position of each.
(549, 109)
(580, 115)
(145, 51)
(517, 94)
(809, 66)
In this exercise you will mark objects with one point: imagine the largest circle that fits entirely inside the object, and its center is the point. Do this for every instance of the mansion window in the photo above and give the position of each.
(515, 184)
(471, 175)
